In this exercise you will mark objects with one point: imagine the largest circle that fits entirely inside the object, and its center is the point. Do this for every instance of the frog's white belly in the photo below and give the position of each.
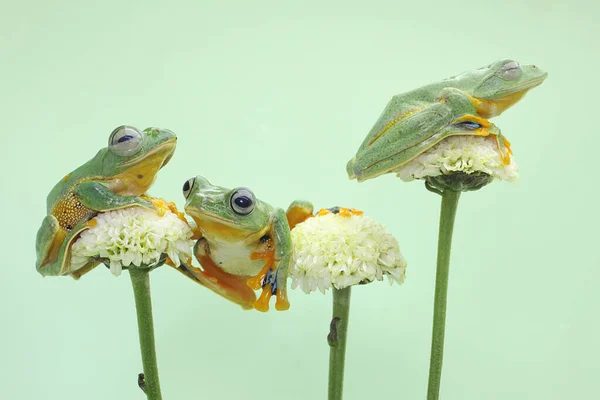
(234, 258)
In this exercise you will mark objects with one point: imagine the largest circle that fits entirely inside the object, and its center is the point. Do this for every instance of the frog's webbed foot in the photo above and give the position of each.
(267, 280)
(49, 240)
(504, 149)
(299, 211)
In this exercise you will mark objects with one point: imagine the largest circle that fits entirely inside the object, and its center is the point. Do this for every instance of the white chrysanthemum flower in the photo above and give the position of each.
(467, 154)
(135, 236)
(340, 251)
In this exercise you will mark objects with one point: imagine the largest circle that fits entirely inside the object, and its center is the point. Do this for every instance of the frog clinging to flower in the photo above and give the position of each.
(114, 178)
(244, 243)
(415, 121)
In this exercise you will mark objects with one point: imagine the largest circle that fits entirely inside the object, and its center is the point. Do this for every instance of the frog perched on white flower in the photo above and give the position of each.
(115, 178)
(415, 121)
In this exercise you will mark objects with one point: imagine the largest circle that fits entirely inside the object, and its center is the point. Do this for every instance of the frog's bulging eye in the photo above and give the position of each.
(511, 71)
(187, 187)
(242, 201)
(125, 141)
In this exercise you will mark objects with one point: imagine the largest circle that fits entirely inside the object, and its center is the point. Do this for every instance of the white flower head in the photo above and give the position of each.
(135, 236)
(466, 154)
(343, 249)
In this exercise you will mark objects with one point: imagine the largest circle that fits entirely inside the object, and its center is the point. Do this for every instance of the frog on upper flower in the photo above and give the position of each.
(114, 179)
(417, 122)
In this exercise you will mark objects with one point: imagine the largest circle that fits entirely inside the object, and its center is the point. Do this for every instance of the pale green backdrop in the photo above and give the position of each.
(278, 96)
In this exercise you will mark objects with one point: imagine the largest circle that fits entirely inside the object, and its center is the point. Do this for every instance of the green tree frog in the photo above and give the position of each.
(244, 243)
(113, 179)
(415, 121)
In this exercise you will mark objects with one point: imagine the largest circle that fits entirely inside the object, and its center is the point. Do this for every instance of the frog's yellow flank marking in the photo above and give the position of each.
(392, 123)
(69, 211)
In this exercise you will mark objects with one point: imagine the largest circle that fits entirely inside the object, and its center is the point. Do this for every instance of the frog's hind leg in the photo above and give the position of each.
(78, 273)
(273, 276)
(233, 288)
(264, 279)
(49, 240)
(299, 211)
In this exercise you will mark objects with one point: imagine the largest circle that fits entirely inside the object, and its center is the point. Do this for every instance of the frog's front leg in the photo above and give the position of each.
(231, 287)
(463, 106)
(273, 276)
(98, 197)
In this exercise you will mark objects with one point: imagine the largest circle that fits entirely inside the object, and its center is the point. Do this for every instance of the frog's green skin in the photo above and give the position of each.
(415, 121)
(113, 179)
(243, 246)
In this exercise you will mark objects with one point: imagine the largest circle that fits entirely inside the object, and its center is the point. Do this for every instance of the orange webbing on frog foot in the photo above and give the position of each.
(323, 211)
(262, 304)
(269, 256)
(297, 214)
(162, 206)
(281, 303)
(504, 150)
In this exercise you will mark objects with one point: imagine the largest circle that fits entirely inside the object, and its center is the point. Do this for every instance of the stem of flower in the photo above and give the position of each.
(448, 212)
(337, 342)
(140, 278)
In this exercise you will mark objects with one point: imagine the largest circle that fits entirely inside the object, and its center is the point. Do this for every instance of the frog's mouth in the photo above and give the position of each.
(218, 228)
(164, 151)
(139, 174)
(492, 107)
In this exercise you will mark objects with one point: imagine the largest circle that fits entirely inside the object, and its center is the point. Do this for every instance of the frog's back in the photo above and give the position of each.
(405, 104)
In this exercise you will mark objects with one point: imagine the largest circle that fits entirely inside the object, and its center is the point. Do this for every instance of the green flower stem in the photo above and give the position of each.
(337, 342)
(140, 278)
(448, 212)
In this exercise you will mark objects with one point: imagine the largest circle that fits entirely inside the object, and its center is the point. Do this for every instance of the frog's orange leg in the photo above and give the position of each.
(231, 287)
(504, 149)
(260, 280)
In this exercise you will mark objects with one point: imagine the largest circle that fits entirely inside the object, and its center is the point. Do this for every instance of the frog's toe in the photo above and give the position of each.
(49, 240)
(299, 211)
(271, 286)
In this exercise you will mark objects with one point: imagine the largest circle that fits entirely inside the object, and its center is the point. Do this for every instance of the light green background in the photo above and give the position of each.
(277, 97)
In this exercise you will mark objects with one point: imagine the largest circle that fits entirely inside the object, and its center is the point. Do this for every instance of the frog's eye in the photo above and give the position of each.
(511, 71)
(187, 187)
(242, 201)
(125, 141)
